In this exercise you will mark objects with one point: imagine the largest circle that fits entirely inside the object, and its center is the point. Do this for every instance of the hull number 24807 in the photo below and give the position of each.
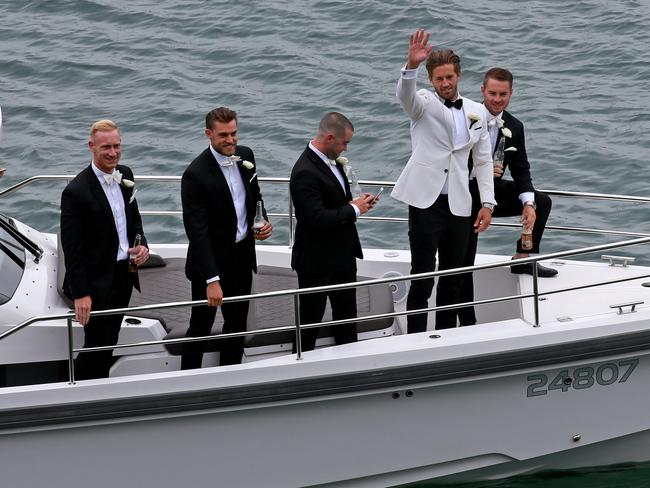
(582, 378)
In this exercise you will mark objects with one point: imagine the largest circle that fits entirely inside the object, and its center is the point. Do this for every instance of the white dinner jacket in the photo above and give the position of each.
(434, 157)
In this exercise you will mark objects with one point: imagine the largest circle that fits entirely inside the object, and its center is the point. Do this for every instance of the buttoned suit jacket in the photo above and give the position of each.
(89, 236)
(326, 235)
(434, 157)
(210, 218)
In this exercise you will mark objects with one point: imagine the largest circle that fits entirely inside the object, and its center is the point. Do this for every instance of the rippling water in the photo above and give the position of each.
(156, 67)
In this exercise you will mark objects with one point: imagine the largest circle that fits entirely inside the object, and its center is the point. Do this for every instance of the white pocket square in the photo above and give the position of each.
(133, 195)
(511, 148)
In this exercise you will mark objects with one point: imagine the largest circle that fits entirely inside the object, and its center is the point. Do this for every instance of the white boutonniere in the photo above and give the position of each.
(247, 164)
(506, 132)
(474, 118)
(342, 160)
(511, 148)
(133, 195)
(127, 183)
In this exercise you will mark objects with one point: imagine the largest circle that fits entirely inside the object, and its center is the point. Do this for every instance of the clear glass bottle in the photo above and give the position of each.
(355, 187)
(499, 154)
(259, 220)
(136, 242)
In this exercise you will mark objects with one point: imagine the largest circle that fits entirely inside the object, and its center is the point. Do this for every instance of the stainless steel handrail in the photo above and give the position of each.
(267, 179)
(297, 292)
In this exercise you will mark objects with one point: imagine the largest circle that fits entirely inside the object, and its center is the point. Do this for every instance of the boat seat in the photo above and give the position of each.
(60, 272)
(171, 285)
(154, 261)
(279, 311)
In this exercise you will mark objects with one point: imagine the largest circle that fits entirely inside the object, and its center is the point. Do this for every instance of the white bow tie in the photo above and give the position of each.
(495, 120)
(115, 176)
(230, 160)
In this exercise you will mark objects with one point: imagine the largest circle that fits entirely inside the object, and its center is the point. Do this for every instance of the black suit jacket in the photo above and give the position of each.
(517, 160)
(89, 236)
(326, 235)
(210, 219)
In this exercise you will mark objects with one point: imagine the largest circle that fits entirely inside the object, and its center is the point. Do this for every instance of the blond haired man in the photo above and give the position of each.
(99, 224)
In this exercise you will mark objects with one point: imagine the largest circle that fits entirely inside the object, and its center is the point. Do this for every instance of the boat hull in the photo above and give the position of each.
(317, 431)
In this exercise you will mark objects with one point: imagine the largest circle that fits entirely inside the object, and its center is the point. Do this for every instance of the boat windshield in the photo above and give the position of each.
(12, 264)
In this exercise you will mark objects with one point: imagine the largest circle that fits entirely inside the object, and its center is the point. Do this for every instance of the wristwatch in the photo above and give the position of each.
(530, 204)
(489, 206)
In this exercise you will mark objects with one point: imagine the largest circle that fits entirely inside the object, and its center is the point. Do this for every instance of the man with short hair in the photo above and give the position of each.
(445, 127)
(219, 193)
(514, 197)
(326, 245)
(99, 223)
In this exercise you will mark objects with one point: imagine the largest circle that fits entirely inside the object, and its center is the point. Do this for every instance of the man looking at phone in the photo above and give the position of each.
(327, 244)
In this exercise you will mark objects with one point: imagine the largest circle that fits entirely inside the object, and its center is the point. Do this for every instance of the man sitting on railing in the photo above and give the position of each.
(514, 197)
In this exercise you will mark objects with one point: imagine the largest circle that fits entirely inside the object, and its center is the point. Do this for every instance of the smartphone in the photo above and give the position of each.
(381, 190)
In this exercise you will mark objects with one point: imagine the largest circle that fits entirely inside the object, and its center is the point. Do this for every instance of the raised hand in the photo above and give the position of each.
(418, 49)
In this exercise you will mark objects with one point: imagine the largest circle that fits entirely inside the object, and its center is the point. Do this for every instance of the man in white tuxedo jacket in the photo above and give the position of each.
(444, 129)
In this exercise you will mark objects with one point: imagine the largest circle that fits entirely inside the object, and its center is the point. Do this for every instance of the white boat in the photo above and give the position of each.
(556, 375)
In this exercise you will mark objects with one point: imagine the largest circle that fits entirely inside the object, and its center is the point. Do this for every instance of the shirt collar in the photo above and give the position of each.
(221, 159)
(442, 100)
(490, 116)
(98, 172)
(325, 159)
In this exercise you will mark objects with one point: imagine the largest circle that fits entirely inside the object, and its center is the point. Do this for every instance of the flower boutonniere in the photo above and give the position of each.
(506, 132)
(127, 183)
(342, 160)
(247, 164)
(474, 118)
(511, 148)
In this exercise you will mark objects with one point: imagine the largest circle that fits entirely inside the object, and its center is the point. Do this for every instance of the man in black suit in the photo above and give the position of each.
(326, 244)
(514, 197)
(219, 192)
(99, 222)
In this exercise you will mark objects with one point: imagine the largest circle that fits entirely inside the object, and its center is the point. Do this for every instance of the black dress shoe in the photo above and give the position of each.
(542, 271)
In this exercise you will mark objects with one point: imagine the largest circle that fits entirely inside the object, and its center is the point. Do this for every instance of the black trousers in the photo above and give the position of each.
(343, 303)
(508, 205)
(105, 330)
(233, 282)
(435, 229)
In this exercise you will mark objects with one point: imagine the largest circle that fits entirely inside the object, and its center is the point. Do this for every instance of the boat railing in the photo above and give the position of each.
(289, 215)
(296, 293)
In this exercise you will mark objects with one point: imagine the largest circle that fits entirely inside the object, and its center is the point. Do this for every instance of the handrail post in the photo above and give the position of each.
(290, 221)
(536, 294)
(70, 353)
(296, 311)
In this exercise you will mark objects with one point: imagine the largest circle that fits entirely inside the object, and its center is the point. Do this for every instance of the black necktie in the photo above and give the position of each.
(458, 104)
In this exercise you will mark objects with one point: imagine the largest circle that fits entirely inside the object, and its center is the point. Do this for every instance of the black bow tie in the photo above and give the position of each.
(458, 104)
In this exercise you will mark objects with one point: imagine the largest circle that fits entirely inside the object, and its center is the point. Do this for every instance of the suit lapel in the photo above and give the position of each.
(95, 188)
(321, 166)
(214, 169)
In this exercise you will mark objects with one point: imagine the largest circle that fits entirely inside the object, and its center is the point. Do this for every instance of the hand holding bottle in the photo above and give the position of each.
(262, 229)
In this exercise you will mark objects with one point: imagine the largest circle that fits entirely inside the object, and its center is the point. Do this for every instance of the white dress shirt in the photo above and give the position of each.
(237, 191)
(494, 128)
(331, 164)
(113, 193)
